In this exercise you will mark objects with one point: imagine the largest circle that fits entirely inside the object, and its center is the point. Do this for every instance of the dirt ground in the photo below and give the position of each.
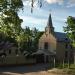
(32, 73)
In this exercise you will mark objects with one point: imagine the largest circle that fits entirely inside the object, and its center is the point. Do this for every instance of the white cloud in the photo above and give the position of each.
(28, 3)
(71, 3)
(32, 21)
(55, 1)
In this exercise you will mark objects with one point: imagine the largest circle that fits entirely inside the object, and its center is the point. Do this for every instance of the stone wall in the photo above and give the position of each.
(13, 60)
(51, 42)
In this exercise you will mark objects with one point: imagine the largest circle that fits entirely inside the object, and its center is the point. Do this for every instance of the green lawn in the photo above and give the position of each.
(67, 70)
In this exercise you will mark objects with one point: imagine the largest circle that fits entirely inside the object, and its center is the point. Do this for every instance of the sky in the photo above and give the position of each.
(59, 9)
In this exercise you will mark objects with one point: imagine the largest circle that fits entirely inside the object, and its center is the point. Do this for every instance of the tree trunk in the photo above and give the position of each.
(63, 63)
(74, 57)
(54, 62)
(68, 59)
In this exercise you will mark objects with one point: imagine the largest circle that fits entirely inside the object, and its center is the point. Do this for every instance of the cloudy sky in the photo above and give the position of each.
(59, 9)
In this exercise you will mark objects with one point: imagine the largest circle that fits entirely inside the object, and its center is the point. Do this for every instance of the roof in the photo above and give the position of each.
(61, 36)
(45, 52)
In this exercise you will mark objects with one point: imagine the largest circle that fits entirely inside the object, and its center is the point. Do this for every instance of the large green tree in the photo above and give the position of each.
(10, 24)
(70, 29)
(10, 4)
(17, 4)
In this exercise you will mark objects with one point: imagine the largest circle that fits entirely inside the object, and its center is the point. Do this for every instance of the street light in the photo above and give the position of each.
(17, 55)
(2, 58)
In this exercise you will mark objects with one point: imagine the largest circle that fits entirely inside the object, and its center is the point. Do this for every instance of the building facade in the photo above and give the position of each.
(54, 45)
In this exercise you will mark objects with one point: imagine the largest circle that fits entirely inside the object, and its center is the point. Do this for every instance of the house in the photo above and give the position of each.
(10, 55)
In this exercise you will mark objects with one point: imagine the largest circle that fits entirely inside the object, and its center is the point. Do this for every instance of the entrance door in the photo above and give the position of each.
(47, 59)
(40, 58)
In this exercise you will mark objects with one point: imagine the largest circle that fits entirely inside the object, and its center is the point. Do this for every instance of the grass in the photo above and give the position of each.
(72, 66)
(69, 71)
(60, 66)
(65, 70)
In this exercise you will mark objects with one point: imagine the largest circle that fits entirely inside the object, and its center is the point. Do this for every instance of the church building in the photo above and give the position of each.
(53, 45)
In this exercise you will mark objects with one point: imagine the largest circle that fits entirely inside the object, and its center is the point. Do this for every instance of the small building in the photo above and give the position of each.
(10, 55)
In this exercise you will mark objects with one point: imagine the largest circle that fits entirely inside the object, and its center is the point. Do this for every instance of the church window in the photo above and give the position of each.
(46, 45)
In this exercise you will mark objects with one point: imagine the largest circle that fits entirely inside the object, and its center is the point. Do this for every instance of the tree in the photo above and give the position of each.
(10, 23)
(16, 4)
(10, 4)
(70, 30)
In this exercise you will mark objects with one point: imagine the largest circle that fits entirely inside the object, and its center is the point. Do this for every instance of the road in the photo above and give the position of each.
(36, 69)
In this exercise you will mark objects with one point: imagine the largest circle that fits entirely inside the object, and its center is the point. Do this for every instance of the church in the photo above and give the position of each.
(53, 45)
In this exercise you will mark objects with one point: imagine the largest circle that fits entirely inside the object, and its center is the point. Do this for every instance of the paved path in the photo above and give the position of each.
(39, 69)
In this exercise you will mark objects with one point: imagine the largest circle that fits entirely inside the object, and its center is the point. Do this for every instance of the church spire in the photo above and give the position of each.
(49, 28)
(49, 23)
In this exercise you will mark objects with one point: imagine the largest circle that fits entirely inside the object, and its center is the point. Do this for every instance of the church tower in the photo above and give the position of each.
(49, 28)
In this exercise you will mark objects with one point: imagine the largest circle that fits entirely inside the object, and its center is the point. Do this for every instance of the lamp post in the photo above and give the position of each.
(3, 60)
(17, 58)
(74, 57)
(54, 62)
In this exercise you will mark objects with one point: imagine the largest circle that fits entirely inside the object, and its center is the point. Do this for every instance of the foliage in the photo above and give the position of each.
(26, 40)
(17, 4)
(10, 4)
(70, 29)
(10, 26)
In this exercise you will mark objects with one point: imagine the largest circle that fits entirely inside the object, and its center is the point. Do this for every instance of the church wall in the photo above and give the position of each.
(60, 51)
(51, 42)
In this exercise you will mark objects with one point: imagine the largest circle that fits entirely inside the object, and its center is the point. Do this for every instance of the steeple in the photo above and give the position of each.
(49, 28)
(49, 23)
